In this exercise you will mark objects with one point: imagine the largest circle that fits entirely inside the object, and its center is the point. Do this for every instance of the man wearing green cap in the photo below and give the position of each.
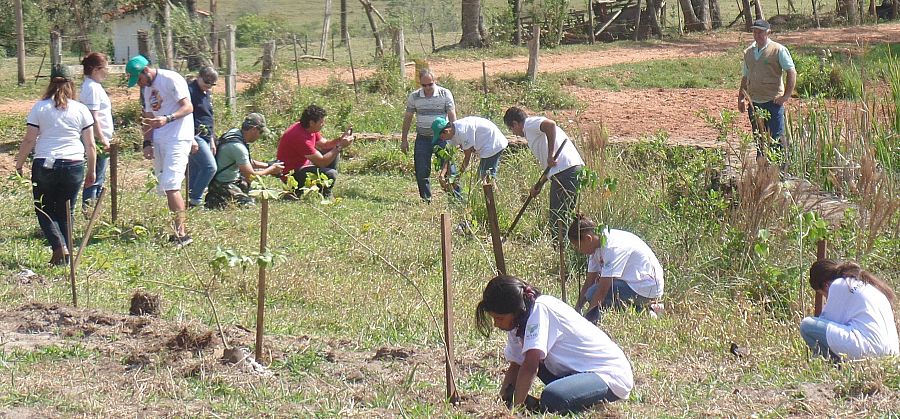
(473, 134)
(168, 126)
(231, 182)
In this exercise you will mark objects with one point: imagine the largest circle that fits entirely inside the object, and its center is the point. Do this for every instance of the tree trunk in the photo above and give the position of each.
(370, 13)
(653, 10)
(191, 7)
(344, 31)
(702, 9)
(517, 11)
(691, 22)
(471, 22)
(851, 8)
(748, 18)
(714, 14)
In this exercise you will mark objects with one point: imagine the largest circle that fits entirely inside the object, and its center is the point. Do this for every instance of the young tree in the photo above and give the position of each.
(472, 25)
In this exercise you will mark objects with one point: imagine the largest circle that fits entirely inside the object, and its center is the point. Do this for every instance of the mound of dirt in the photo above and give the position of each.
(190, 340)
(144, 303)
(388, 354)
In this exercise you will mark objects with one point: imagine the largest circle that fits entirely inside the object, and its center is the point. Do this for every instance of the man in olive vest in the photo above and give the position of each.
(764, 62)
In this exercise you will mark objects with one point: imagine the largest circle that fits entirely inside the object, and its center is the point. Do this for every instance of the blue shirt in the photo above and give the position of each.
(784, 58)
(203, 112)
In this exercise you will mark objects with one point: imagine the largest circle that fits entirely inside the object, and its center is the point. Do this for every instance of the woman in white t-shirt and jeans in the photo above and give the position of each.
(579, 364)
(64, 157)
(857, 320)
(97, 101)
(622, 270)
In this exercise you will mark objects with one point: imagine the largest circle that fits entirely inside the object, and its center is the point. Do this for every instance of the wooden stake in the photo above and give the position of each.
(90, 227)
(20, 42)
(496, 240)
(534, 45)
(352, 69)
(268, 61)
(447, 264)
(231, 76)
(563, 271)
(821, 251)
(296, 60)
(71, 258)
(114, 180)
(401, 53)
(484, 86)
(431, 25)
(214, 35)
(261, 284)
(326, 28)
(55, 49)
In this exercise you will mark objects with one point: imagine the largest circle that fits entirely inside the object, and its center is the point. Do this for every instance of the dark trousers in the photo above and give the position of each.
(774, 125)
(563, 198)
(51, 189)
(330, 171)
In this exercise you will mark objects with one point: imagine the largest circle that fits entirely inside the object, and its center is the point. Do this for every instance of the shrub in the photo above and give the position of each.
(253, 29)
(823, 77)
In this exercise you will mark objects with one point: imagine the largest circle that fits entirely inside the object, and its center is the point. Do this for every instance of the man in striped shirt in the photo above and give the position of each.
(427, 104)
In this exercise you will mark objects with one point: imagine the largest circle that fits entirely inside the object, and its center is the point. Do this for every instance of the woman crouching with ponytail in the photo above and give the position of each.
(578, 363)
(857, 321)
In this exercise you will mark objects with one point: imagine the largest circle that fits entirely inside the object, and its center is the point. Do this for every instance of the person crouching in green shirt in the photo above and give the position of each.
(231, 182)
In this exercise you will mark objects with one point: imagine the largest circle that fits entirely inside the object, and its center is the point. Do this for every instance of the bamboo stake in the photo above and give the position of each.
(261, 284)
(484, 85)
(821, 251)
(114, 180)
(71, 259)
(447, 264)
(352, 68)
(296, 60)
(496, 240)
(563, 274)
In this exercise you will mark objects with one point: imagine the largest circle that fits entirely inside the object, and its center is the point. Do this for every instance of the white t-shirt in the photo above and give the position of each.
(628, 258)
(537, 142)
(480, 134)
(95, 98)
(59, 129)
(570, 344)
(870, 329)
(161, 98)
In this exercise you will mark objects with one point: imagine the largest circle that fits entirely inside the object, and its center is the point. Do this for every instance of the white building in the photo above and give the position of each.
(125, 23)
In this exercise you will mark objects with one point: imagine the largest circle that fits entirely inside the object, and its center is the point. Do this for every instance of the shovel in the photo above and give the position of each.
(538, 185)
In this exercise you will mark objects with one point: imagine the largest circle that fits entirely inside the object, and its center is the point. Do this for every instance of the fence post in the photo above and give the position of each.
(214, 35)
(69, 221)
(268, 60)
(352, 69)
(447, 264)
(534, 46)
(401, 53)
(496, 240)
(55, 49)
(114, 180)
(563, 271)
(261, 283)
(230, 91)
(431, 25)
(326, 28)
(20, 42)
(296, 60)
(821, 253)
(167, 42)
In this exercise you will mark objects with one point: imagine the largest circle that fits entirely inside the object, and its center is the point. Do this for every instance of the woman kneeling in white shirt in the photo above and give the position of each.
(857, 321)
(578, 363)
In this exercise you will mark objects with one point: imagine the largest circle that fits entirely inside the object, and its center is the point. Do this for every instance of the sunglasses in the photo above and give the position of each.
(427, 84)
(209, 83)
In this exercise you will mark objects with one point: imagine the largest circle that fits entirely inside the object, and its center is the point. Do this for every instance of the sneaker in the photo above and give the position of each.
(180, 242)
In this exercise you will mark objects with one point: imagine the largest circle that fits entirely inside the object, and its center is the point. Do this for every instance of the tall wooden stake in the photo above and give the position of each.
(352, 69)
(326, 28)
(231, 76)
(114, 180)
(71, 257)
(20, 42)
(55, 48)
(431, 25)
(296, 60)
(563, 271)
(214, 35)
(821, 253)
(534, 45)
(484, 86)
(447, 264)
(90, 227)
(401, 53)
(268, 61)
(168, 44)
(261, 284)
(496, 240)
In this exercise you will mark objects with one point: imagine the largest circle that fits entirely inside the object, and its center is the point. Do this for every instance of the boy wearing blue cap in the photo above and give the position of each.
(168, 126)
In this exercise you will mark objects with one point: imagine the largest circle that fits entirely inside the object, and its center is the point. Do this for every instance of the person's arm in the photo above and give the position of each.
(248, 172)
(591, 279)
(98, 133)
(526, 375)
(467, 157)
(185, 108)
(90, 153)
(507, 387)
(742, 99)
(322, 160)
(31, 134)
(788, 87)
(404, 135)
(451, 115)
(548, 127)
(603, 288)
(147, 131)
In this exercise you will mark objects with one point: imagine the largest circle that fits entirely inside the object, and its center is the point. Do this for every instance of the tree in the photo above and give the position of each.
(472, 25)
(691, 22)
(715, 14)
(701, 7)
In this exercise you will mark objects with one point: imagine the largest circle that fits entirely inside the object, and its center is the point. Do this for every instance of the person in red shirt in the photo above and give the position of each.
(303, 150)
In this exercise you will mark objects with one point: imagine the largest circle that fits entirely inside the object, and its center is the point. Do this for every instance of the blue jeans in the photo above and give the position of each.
(775, 124)
(422, 152)
(51, 189)
(621, 295)
(573, 393)
(563, 197)
(813, 331)
(489, 165)
(201, 169)
(93, 192)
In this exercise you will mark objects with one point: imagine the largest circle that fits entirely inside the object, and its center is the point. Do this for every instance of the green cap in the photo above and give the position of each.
(256, 120)
(134, 68)
(60, 71)
(439, 124)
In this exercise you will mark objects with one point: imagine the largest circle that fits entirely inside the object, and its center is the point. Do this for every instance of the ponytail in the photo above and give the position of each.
(824, 271)
(505, 294)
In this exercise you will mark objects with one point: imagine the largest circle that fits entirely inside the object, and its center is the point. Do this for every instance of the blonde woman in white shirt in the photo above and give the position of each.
(579, 364)
(857, 320)
(59, 131)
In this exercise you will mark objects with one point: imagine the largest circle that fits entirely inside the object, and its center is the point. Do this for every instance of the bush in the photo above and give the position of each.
(823, 77)
(251, 30)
